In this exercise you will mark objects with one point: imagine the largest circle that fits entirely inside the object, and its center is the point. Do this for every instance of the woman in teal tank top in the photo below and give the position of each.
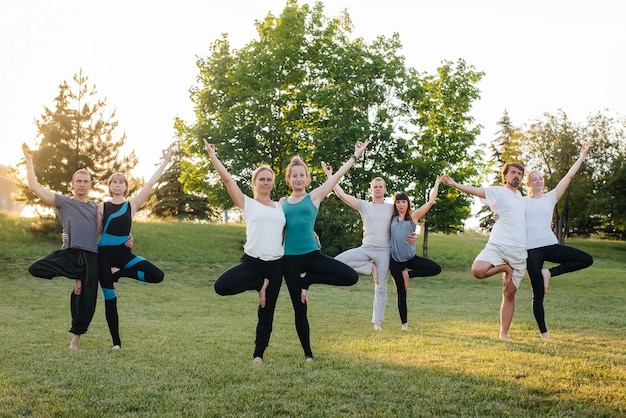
(302, 252)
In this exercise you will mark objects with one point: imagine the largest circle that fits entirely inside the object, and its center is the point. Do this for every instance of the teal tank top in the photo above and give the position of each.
(299, 237)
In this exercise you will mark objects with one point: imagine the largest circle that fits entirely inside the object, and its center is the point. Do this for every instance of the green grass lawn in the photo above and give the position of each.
(187, 351)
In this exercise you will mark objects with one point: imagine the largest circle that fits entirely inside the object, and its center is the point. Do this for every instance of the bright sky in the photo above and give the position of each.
(538, 55)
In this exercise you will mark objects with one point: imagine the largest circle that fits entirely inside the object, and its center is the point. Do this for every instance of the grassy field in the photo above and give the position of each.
(187, 351)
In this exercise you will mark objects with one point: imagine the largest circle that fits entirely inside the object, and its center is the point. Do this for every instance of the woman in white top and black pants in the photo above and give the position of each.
(541, 242)
(260, 267)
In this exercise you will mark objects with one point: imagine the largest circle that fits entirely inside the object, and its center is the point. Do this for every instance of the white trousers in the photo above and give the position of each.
(361, 259)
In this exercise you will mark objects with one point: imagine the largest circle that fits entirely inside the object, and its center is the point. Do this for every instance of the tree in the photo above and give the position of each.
(607, 171)
(78, 133)
(169, 199)
(614, 199)
(504, 148)
(442, 139)
(305, 87)
(553, 143)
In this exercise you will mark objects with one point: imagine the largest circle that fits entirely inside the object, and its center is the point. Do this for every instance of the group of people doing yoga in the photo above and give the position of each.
(390, 232)
(281, 243)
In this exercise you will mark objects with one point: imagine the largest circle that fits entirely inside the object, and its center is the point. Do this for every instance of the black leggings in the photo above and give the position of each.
(130, 265)
(418, 267)
(250, 274)
(74, 264)
(321, 269)
(570, 259)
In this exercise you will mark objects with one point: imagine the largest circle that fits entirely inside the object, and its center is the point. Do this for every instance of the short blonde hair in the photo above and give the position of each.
(260, 168)
(117, 176)
(81, 171)
(257, 171)
(377, 179)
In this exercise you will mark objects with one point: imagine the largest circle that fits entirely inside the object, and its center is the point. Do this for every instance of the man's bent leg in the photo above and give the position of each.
(381, 258)
(507, 309)
(482, 269)
(83, 306)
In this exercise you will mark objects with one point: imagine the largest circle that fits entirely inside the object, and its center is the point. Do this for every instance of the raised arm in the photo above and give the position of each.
(567, 179)
(44, 194)
(423, 210)
(233, 189)
(140, 198)
(345, 197)
(322, 191)
(476, 191)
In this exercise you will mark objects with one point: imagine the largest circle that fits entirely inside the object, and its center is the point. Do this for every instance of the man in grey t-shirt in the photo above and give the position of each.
(78, 258)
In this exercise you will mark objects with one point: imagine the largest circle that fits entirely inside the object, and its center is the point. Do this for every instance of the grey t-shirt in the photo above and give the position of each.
(79, 222)
(401, 250)
(376, 219)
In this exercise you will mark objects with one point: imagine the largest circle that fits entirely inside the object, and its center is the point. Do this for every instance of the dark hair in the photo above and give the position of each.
(506, 168)
(402, 196)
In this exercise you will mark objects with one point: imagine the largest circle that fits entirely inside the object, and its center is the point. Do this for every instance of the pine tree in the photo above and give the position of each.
(504, 148)
(169, 199)
(78, 133)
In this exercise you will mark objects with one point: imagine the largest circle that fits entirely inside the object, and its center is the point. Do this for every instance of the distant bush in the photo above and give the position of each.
(338, 226)
(47, 227)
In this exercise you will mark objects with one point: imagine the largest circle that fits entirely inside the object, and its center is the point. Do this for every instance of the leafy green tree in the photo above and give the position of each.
(169, 199)
(606, 169)
(504, 148)
(443, 133)
(339, 226)
(305, 87)
(79, 132)
(553, 143)
(614, 199)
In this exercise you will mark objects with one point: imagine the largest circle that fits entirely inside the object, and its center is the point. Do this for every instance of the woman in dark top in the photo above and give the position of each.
(115, 259)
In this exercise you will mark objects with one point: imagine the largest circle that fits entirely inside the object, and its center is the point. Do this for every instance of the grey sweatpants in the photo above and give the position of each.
(361, 259)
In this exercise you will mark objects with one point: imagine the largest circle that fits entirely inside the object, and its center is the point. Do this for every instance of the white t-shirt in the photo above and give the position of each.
(510, 229)
(264, 230)
(539, 220)
(376, 223)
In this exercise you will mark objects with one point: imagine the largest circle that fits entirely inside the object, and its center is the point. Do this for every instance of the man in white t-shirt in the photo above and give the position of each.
(505, 251)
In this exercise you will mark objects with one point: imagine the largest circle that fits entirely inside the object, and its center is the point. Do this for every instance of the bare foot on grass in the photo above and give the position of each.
(405, 327)
(75, 341)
